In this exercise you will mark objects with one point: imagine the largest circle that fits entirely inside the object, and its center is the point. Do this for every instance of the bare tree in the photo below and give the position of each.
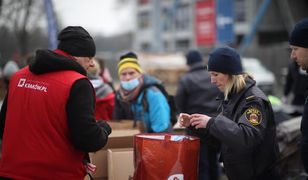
(21, 18)
(0, 6)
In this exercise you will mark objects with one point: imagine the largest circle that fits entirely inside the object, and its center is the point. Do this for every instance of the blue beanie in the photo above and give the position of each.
(299, 35)
(225, 60)
(193, 56)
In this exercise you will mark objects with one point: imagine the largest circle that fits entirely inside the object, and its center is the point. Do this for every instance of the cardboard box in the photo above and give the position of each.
(123, 138)
(121, 124)
(125, 124)
(120, 163)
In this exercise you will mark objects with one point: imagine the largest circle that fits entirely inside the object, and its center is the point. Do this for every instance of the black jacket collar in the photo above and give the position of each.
(46, 61)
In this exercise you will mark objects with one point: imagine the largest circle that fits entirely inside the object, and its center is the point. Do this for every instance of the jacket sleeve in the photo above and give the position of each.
(249, 130)
(86, 134)
(3, 115)
(159, 111)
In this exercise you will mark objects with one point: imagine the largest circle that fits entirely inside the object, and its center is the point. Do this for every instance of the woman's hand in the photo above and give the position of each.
(199, 120)
(184, 120)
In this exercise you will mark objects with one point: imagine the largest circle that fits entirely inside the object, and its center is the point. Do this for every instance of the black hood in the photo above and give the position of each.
(47, 61)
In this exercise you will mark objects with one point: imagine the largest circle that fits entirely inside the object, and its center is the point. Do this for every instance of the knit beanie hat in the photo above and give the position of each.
(299, 35)
(193, 56)
(129, 60)
(225, 60)
(76, 41)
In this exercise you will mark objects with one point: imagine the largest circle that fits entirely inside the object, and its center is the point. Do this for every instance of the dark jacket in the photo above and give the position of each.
(80, 103)
(296, 83)
(304, 140)
(246, 129)
(195, 93)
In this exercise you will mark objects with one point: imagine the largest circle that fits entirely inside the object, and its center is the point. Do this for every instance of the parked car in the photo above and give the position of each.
(265, 79)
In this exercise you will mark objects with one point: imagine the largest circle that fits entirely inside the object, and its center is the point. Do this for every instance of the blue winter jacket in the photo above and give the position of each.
(150, 106)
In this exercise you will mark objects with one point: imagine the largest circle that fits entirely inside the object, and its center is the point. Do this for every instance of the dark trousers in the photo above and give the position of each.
(208, 163)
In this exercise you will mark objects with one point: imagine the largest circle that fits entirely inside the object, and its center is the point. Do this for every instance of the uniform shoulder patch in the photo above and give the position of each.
(253, 116)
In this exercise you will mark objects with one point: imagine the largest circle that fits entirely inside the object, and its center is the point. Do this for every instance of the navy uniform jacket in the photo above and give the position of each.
(246, 129)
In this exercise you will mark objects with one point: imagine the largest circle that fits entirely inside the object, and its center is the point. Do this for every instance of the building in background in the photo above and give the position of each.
(179, 25)
(164, 25)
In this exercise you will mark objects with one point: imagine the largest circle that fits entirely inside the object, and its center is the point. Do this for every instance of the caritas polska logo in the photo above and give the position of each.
(176, 177)
(29, 84)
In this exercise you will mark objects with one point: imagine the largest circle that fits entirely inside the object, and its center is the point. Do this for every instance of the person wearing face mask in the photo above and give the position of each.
(104, 93)
(137, 101)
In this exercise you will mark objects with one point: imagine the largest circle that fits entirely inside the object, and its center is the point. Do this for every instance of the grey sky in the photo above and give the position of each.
(97, 16)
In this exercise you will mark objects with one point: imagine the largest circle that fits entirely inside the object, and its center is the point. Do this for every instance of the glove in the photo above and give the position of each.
(103, 124)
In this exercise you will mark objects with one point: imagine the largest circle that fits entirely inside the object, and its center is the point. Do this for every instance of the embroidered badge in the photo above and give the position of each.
(253, 116)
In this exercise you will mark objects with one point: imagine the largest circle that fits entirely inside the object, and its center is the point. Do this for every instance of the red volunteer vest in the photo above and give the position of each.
(36, 143)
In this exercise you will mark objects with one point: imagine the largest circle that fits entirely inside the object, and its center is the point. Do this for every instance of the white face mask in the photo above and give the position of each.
(130, 85)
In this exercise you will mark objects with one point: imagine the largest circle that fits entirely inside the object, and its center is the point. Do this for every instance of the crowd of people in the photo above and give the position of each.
(56, 110)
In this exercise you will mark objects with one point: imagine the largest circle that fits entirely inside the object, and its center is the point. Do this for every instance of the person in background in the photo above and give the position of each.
(104, 73)
(196, 94)
(296, 86)
(245, 126)
(136, 100)
(47, 122)
(299, 46)
(104, 93)
(9, 69)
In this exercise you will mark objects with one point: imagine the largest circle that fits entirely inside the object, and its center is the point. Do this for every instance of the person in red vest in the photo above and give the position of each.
(47, 123)
(104, 93)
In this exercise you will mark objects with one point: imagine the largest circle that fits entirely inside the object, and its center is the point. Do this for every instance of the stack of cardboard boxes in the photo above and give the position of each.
(115, 160)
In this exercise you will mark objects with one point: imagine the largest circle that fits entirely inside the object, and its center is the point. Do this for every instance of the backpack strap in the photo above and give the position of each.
(144, 101)
(145, 88)
(169, 98)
